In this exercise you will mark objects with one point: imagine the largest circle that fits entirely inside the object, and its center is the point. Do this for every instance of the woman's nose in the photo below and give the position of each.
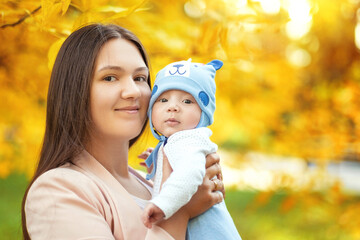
(130, 89)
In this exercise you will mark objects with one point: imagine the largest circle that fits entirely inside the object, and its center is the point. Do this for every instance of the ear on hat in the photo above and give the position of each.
(217, 64)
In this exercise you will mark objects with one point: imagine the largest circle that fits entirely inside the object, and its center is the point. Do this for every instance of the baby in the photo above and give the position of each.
(182, 105)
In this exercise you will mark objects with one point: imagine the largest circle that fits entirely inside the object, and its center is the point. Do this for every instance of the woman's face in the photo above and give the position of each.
(119, 94)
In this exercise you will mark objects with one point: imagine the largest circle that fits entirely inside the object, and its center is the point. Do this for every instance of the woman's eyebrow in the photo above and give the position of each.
(118, 68)
(141, 69)
(111, 67)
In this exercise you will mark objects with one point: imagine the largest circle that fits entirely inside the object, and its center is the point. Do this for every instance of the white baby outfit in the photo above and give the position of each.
(186, 152)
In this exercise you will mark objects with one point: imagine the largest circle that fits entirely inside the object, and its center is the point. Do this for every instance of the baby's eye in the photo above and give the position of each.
(163, 100)
(140, 79)
(110, 78)
(187, 101)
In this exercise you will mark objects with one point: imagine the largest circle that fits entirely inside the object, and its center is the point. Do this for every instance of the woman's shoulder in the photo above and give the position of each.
(67, 174)
(66, 181)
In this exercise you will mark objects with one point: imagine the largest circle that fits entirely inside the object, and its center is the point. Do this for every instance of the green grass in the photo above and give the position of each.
(269, 222)
(11, 192)
(315, 221)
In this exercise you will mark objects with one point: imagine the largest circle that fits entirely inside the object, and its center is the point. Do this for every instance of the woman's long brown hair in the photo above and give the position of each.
(68, 100)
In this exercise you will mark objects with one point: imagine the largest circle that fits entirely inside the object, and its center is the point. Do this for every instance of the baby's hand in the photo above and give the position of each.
(151, 215)
(144, 155)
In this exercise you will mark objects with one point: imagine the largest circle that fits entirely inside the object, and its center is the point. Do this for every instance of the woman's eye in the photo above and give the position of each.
(140, 79)
(109, 78)
(187, 101)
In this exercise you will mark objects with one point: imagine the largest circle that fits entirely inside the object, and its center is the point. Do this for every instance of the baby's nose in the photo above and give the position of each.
(173, 108)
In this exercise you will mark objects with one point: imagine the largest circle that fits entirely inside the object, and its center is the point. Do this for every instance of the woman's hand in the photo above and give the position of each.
(210, 191)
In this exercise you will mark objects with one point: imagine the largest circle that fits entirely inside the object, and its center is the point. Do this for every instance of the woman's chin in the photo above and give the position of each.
(130, 134)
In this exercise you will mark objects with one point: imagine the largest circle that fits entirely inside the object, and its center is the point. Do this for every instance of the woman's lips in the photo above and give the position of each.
(128, 109)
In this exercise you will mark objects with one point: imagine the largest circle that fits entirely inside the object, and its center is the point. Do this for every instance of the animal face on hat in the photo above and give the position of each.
(195, 78)
(178, 69)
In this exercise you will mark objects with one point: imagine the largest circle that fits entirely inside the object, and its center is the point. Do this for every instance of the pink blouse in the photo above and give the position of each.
(82, 200)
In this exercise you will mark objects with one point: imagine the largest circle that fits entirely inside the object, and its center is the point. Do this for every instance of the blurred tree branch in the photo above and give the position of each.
(21, 19)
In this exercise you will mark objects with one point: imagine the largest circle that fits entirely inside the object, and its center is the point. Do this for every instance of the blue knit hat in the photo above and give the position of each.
(195, 78)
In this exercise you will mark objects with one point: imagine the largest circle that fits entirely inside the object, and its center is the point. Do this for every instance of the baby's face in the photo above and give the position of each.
(175, 110)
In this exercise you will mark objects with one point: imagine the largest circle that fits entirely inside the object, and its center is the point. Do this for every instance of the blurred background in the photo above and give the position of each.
(286, 121)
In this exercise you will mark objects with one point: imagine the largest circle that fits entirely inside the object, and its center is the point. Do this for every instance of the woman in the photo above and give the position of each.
(83, 187)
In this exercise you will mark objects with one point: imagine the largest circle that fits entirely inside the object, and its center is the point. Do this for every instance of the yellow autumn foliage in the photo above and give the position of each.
(282, 90)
